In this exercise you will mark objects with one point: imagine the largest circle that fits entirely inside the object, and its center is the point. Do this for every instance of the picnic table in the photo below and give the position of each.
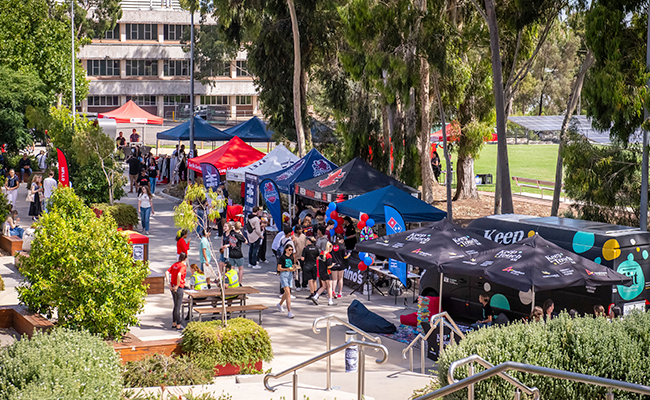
(212, 297)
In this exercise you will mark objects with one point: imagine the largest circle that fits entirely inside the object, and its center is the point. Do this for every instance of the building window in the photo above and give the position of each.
(175, 100)
(103, 101)
(141, 67)
(244, 100)
(214, 100)
(141, 32)
(242, 68)
(174, 32)
(103, 68)
(176, 68)
(113, 34)
(143, 100)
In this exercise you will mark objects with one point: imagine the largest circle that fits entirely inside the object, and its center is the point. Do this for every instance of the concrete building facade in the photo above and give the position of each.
(142, 59)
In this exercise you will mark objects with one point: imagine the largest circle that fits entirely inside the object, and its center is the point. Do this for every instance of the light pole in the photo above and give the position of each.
(191, 172)
(644, 163)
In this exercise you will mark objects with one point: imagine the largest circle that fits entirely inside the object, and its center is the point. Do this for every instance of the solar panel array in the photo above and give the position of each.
(548, 123)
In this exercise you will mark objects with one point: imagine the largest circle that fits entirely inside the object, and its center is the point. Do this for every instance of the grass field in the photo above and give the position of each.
(535, 161)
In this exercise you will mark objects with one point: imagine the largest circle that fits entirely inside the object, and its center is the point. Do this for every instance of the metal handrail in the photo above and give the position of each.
(610, 384)
(444, 320)
(328, 340)
(327, 354)
(475, 358)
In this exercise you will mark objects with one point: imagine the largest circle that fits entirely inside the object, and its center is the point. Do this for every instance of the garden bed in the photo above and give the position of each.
(22, 320)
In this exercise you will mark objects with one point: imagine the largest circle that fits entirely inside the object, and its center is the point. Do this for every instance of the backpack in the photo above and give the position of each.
(281, 247)
(249, 226)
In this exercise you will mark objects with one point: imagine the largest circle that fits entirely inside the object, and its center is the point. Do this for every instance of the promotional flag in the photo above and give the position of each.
(395, 224)
(64, 178)
(210, 176)
(271, 196)
(251, 197)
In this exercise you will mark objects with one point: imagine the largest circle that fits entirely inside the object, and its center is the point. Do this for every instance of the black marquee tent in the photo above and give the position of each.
(352, 179)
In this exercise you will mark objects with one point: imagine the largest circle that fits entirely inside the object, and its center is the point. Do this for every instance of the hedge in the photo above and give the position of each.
(123, 214)
(594, 346)
(163, 370)
(63, 364)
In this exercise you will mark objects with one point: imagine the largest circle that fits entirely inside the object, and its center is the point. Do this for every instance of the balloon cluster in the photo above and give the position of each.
(366, 261)
(332, 215)
(364, 221)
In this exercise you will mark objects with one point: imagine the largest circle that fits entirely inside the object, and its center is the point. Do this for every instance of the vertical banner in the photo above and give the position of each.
(64, 177)
(252, 193)
(271, 196)
(395, 224)
(210, 176)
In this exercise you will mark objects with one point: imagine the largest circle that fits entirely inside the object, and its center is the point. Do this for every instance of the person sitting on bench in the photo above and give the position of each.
(197, 281)
(230, 280)
(12, 224)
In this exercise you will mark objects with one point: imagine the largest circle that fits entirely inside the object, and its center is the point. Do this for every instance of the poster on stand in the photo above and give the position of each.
(252, 194)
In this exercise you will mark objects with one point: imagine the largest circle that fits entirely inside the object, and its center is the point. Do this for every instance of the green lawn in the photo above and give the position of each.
(535, 161)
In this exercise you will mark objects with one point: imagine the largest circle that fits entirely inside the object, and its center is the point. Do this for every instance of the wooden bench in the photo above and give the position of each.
(536, 184)
(12, 244)
(232, 309)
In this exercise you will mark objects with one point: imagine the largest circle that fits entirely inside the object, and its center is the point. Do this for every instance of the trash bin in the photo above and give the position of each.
(351, 353)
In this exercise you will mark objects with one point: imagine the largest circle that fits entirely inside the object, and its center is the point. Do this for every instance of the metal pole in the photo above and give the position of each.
(411, 359)
(441, 338)
(362, 373)
(423, 346)
(532, 303)
(191, 172)
(517, 395)
(610, 394)
(74, 102)
(329, 358)
(470, 388)
(295, 385)
(644, 164)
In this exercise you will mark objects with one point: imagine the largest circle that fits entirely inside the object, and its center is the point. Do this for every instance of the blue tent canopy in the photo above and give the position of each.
(310, 166)
(372, 203)
(253, 130)
(203, 131)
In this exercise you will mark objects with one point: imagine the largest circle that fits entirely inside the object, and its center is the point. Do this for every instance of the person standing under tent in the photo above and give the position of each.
(152, 169)
(350, 234)
(173, 160)
(261, 254)
(254, 229)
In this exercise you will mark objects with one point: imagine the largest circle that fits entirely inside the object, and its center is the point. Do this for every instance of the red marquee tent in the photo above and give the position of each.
(130, 113)
(234, 154)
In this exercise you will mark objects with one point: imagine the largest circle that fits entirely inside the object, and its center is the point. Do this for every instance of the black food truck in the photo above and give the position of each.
(622, 248)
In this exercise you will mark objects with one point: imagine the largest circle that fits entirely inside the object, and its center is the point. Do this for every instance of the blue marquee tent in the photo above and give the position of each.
(253, 130)
(310, 166)
(203, 131)
(372, 203)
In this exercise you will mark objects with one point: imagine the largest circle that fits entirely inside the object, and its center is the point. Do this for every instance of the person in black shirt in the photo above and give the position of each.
(484, 299)
(350, 234)
(308, 262)
(134, 171)
(153, 172)
(25, 166)
(143, 179)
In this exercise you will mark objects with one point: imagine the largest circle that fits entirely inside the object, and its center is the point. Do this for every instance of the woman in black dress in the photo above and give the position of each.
(36, 190)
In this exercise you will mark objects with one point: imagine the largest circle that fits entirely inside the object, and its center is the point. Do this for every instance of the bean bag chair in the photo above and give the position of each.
(427, 306)
(366, 320)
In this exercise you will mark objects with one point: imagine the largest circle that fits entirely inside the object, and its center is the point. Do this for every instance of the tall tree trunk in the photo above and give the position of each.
(571, 107)
(425, 133)
(297, 114)
(465, 183)
(436, 89)
(504, 203)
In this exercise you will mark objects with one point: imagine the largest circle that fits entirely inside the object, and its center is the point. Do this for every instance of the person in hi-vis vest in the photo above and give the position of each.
(197, 281)
(230, 280)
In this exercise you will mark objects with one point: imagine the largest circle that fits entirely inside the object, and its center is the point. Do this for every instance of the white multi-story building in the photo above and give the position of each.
(142, 60)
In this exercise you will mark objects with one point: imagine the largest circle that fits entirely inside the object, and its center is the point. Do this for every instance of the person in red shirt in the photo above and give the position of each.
(182, 243)
(176, 277)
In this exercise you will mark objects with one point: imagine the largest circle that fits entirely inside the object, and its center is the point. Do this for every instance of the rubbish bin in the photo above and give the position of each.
(351, 353)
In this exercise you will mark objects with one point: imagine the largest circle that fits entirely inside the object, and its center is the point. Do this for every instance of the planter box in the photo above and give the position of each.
(229, 369)
(139, 350)
(23, 321)
(156, 282)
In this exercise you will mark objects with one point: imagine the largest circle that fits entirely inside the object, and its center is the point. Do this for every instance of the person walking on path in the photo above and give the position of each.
(34, 196)
(308, 265)
(182, 243)
(236, 256)
(11, 186)
(176, 278)
(286, 267)
(134, 171)
(145, 208)
(254, 237)
(152, 169)
(324, 266)
(49, 184)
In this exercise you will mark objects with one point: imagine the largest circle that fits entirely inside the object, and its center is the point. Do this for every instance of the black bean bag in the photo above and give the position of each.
(364, 319)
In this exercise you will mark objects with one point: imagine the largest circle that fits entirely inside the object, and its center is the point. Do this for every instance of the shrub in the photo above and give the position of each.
(5, 207)
(123, 214)
(241, 343)
(81, 267)
(159, 370)
(62, 364)
(593, 346)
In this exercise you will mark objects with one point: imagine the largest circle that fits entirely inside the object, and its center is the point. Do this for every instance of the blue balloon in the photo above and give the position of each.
(370, 222)
(335, 223)
(327, 213)
(362, 255)
(332, 233)
(332, 206)
(367, 261)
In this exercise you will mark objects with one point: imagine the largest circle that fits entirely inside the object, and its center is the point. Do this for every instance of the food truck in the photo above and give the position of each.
(622, 248)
